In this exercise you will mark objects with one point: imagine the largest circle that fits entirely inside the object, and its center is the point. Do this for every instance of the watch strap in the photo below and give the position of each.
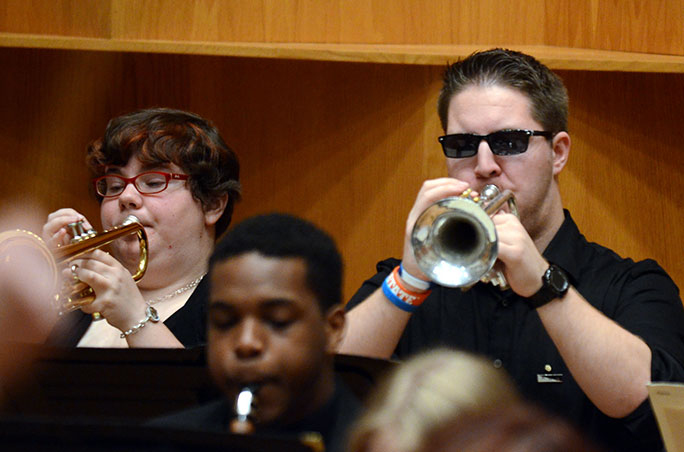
(555, 284)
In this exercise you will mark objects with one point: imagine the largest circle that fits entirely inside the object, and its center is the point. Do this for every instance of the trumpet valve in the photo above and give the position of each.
(78, 233)
(490, 192)
(496, 278)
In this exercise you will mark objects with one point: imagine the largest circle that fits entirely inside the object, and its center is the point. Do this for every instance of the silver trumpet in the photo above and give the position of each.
(455, 242)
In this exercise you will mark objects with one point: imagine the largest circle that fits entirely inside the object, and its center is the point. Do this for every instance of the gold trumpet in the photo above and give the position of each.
(73, 294)
(455, 242)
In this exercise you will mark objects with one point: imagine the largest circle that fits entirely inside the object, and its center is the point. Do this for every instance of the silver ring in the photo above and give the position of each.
(74, 267)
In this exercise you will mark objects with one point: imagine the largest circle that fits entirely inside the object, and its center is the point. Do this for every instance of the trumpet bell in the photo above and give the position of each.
(455, 242)
(21, 249)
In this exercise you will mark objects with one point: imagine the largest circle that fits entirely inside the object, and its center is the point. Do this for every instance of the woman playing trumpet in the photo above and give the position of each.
(173, 171)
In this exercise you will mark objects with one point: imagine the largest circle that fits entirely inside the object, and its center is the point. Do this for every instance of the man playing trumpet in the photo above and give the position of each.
(581, 330)
(275, 319)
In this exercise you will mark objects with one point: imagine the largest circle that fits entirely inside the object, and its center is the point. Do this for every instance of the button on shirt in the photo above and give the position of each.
(640, 296)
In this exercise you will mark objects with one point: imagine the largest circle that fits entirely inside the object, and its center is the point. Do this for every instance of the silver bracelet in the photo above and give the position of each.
(152, 316)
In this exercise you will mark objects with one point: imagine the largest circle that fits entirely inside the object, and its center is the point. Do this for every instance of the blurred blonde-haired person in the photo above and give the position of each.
(422, 392)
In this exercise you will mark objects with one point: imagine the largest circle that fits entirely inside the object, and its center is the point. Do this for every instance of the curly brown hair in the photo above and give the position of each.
(163, 135)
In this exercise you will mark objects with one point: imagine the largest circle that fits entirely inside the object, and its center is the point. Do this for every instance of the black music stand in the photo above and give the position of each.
(109, 384)
(134, 384)
(45, 435)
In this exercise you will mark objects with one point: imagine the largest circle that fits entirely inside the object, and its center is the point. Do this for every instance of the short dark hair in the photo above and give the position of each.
(283, 236)
(547, 94)
(164, 135)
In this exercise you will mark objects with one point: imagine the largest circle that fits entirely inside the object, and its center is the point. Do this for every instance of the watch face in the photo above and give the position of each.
(557, 279)
(152, 314)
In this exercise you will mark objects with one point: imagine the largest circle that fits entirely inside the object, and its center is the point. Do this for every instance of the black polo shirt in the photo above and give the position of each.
(640, 297)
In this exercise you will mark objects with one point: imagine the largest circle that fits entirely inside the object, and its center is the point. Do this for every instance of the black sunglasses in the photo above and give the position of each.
(503, 142)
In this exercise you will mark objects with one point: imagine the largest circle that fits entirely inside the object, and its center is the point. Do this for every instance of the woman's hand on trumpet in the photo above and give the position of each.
(55, 231)
(118, 299)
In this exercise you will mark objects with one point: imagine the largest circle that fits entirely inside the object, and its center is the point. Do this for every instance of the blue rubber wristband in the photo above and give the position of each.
(396, 301)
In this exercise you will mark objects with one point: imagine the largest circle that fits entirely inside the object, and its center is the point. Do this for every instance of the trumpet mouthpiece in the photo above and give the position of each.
(244, 410)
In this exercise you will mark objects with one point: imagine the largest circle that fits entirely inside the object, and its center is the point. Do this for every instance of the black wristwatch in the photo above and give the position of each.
(555, 284)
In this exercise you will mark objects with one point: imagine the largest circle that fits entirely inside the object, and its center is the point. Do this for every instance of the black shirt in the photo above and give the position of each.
(640, 297)
(332, 420)
(188, 324)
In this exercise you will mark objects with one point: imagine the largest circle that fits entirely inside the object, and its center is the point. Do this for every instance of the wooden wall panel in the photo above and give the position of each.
(650, 27)
(621, 25)
(626, 170)
(345, 145)
(48, 114)
(338, 21)
(336, 143)
(84, 18)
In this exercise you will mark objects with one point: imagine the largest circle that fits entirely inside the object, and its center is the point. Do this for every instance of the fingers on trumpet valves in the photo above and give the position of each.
(74, 275)
(65, 226)
(470, 194)
(80, 230)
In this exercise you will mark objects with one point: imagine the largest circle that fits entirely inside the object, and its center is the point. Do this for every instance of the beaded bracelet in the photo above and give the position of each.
(403, 298)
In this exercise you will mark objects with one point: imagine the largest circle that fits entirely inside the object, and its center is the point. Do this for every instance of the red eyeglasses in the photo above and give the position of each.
(147, 183)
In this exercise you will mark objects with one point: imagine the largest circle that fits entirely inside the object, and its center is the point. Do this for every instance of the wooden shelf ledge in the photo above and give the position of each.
(563, 58)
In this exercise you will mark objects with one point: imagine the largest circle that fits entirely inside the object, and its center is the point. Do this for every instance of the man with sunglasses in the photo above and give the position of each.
(581, 330)
(174, 172)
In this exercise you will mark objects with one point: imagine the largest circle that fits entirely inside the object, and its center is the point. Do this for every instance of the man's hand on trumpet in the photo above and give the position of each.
(519, 259)
(430, 192)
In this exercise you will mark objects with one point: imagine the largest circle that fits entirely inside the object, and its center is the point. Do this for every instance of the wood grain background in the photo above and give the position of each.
(346, 145)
